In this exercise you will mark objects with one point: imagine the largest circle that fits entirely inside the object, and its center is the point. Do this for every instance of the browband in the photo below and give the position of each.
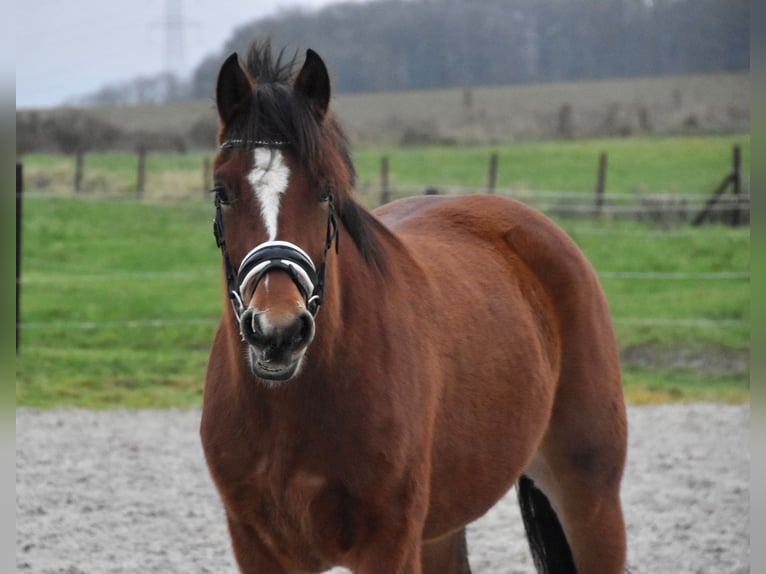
(252, 144)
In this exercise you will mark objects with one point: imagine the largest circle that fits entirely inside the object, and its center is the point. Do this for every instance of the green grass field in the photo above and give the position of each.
(121, 298)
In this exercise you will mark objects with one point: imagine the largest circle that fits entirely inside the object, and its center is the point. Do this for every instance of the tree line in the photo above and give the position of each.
(416, 44)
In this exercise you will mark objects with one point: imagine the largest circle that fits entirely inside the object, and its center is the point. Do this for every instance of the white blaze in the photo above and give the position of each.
(269, 180)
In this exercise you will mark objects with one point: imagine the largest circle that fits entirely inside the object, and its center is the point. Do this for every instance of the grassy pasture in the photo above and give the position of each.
(83, 263)
(167, 174)
(121, 298)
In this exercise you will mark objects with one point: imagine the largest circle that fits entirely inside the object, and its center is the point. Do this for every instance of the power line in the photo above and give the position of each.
(175, 46)
(174, 25)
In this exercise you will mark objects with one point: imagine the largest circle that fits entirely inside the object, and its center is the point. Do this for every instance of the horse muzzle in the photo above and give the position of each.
(276, 349)
(276, 343)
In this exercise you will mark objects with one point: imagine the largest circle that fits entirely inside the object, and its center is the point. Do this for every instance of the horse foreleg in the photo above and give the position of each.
(446, 555)
(397, 545)
(392, 558)
(251, 554)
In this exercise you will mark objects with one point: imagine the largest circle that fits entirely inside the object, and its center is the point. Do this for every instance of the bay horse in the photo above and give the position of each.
(379, 380)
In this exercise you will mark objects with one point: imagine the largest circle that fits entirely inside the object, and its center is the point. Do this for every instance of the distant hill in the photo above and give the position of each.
(700, 104)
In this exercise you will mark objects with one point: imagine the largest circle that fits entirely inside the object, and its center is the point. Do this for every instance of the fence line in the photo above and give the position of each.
(586, 196)
(143, 323)
(140, 276)
(559, 208)
(568, 203)
(19, 209)
(112, 196)
(206, 275)
(731, 234)
(130, 324)
(690, 322)
(692, 199)
(671, 276)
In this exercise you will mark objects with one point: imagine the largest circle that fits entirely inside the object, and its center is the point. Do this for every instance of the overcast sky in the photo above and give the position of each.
(67, 48)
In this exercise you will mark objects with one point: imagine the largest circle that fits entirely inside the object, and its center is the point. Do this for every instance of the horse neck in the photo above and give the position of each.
(356, 291)
(354, 317)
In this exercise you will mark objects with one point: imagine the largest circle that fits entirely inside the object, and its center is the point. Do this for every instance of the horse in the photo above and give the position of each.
(378, 380)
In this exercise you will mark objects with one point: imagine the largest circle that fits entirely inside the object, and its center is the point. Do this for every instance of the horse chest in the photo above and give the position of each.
(304, 518)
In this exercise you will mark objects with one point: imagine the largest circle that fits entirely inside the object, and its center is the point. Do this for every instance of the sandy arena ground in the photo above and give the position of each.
(128, 491)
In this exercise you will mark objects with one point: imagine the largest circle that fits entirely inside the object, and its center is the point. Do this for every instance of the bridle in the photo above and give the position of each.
(276, 255)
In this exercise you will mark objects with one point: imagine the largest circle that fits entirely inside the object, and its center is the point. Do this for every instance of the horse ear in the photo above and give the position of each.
(233, 88)
(313, 81)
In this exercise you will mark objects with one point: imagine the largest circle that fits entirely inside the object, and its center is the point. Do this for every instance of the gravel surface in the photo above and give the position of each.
(128, 491)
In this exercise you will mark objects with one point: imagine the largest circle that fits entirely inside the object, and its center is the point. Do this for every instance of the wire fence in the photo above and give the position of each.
(653, 207)
(207, 276)
(154, 323)
(557, 203)
(579, 196)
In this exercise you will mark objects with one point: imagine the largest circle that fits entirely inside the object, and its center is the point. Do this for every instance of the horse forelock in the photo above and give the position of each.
(263, 66)
(277, 113)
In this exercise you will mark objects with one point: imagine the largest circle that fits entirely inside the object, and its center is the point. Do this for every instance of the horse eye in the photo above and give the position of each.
(221, 195)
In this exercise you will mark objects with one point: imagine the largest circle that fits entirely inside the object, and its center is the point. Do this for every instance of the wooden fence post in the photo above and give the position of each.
(708, 207)
(492, 178)
(79, 168)
(141, 176)
(736, 218)
(732, 178)
(206, 180)
(385, 193)
(601, 182)
(19, 193)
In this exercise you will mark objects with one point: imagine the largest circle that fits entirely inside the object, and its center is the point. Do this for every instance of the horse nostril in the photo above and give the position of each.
(294, 336)
(250, 328)
(304, 332)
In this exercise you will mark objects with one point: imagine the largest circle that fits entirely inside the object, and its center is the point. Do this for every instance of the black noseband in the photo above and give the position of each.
(271, 256)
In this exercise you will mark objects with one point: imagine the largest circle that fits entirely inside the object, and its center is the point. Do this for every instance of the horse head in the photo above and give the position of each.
(281, 176)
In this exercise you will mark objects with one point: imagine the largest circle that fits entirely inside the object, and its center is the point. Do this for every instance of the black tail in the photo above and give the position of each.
(549, 546)
(465, 566)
